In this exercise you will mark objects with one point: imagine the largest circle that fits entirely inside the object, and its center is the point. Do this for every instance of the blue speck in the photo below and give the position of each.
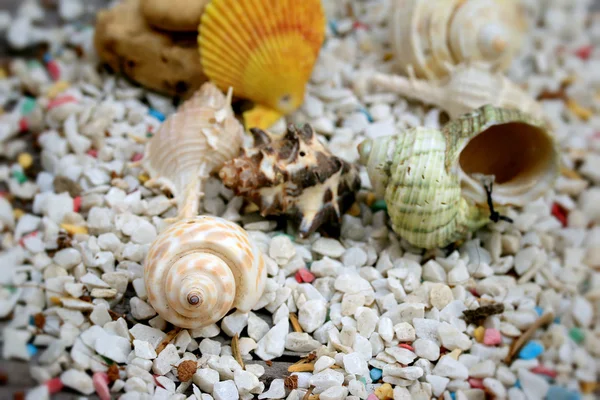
(333, 27)
(32, 349)
(156, 114)
(539, 310)
(453, 395)
(557, 320)
(47, 58)
(561, 393)
(31, 320)
(367, 114)
(531, 350)
(518, 384)
(376, 374)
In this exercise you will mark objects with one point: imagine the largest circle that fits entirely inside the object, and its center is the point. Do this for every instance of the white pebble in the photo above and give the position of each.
(328, 247)
(77, 380)
(225, 390)
(165, 360)
(144, 350)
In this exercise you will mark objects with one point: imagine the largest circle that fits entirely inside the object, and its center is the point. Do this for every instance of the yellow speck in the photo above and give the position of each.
(569, 173)
(25, 160)
(2, 73)
(74, 229)
(384, 392)
(370, 199)
(579, 110)
(479, 332)
(143, 178)
(569, 80)
(57, 89)
(388, 56)
(354, 210)
(588, 387)
(455, 353)
(55, 300)
(250, 208)
(18, 213)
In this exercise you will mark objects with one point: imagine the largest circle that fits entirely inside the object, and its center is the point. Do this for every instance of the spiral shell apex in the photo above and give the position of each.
(200, 268)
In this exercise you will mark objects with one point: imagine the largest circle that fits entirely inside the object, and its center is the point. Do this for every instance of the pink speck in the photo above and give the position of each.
(540, 369)
(360, 25)
(406, 346)
(560, 213)
(492, 337)
(304, 275)
(372, 397)
(157, 382)
(59, 101)
(584, 52)
(474, 292)
(476, 383)
(23, 124)
(100, 380)
(92, 152)
(32, 234)
(53, 70)
(54, 385)
(76, 203)
(137, 157)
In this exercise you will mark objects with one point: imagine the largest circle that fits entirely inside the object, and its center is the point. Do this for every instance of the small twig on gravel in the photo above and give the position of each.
(308, 392)
(516, 346)
(170, 336)
(295, 323)
(235, 349)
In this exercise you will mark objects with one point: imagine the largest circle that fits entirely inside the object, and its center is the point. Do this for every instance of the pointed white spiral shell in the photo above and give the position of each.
(200, 268)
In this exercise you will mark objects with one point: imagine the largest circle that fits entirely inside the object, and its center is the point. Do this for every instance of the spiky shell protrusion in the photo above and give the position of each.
(265, 50)
(191, 144)
(468, 87)
(200, 268)
(427, 176)
(294, 174)
(427, 35)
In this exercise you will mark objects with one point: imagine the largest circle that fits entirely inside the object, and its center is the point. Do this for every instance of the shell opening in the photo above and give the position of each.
(522, 157)
(194, 299)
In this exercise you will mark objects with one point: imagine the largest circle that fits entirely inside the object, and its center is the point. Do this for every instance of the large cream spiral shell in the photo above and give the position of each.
(200, 268)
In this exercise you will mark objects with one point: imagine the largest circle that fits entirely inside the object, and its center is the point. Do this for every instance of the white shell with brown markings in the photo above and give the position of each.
(200, 268)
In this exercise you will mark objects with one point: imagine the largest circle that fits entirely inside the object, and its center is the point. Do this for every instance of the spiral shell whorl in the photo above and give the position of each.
(200, 268)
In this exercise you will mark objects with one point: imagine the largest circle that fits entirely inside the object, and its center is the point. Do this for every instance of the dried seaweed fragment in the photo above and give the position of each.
(295, 175)
(479, 315)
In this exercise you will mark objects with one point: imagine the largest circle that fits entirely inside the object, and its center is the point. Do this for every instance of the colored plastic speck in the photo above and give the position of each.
(479, 333)
(559, 213)
(92, 152)
(156, 114)
(453, 395)
(333, 27)
(28, 105)
(359, 25)
(54, 385)
(23, 124)
(59, 101)
(367, 114)
(518, 384)
(560, 393)
(406, 346)
(53, 70)
(376, 374)
(539, 310)
(100, 380)
(531, 350)
(577, 335)
(379, 205)
(137, 157)
(149, 135)
(77, 203)
(541, 370)
(476, 383)
(47, 58)
(304, 275)
(292, 238)
(19, 176)
(31, 349)
(584, 52)
(25, 160)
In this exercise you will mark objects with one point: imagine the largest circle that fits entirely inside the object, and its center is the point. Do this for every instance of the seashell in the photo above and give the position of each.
(428, 35)
(468, 87)
(191, 144)
(199, 268)
(294, 174)
(265, 50)
(429, 177)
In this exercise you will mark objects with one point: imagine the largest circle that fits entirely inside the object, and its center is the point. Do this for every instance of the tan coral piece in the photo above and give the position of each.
(468, 87)
(429, 34)
(173, 15)
(200, 268)
(195, 141)
(167, 63)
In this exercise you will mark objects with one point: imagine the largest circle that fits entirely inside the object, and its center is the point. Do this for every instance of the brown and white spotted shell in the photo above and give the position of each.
(294, 174)
(200, 268)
